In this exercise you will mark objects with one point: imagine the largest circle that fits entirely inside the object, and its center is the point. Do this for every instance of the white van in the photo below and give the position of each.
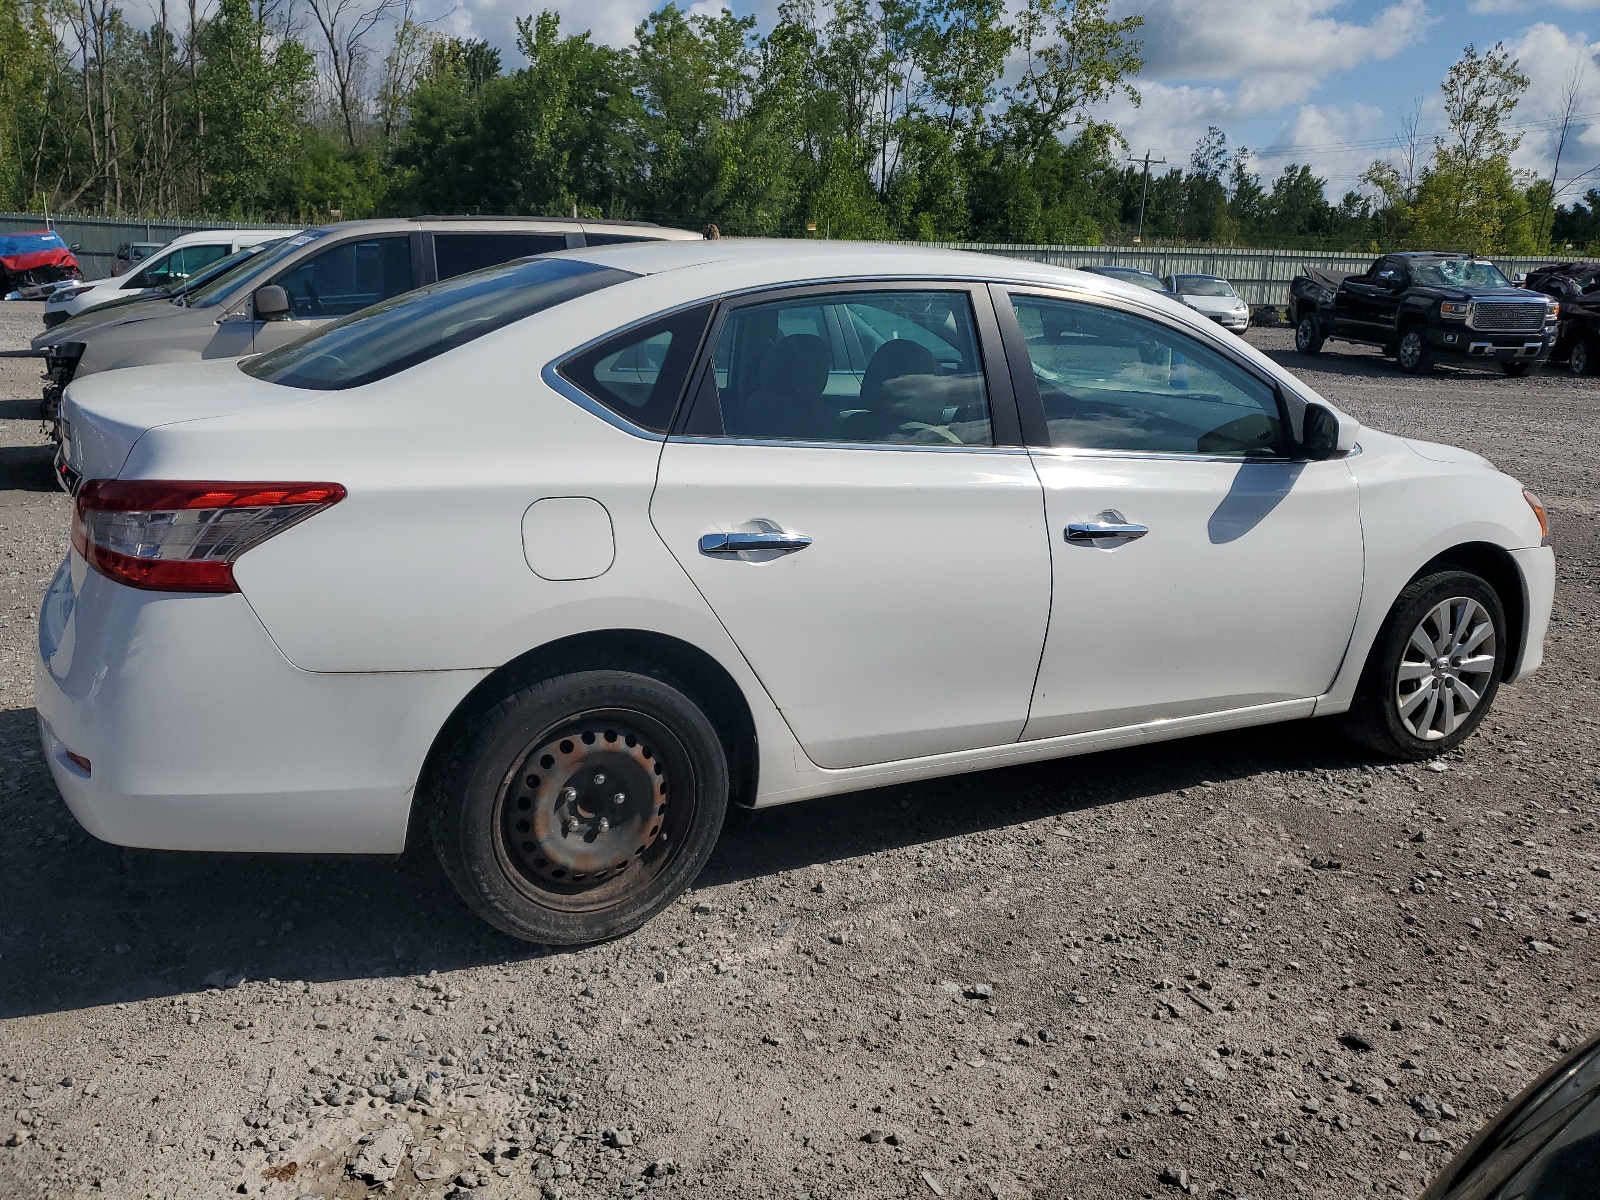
(172, 264)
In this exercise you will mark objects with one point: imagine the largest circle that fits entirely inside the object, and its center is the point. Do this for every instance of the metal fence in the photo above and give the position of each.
(94, 240)
(1261, 276)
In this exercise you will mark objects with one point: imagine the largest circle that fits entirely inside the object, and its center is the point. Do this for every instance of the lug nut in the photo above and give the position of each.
(568, 795)
(598, 779)
(620, 798)
(604, 825)
(572, 825)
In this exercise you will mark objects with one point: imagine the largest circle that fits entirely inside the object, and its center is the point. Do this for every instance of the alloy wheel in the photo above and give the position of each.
(1410, 350)
(1447, 666)
(1579, 363)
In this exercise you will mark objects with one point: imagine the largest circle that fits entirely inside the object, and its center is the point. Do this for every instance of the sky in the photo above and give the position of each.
(1324, 82)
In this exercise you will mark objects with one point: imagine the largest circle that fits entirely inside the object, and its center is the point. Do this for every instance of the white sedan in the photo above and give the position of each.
(557, 560)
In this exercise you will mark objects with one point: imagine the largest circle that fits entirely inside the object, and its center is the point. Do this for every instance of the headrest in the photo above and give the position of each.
(895, 360)
(795, 366)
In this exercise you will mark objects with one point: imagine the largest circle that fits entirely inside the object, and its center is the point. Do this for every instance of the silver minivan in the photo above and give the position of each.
(304, 281)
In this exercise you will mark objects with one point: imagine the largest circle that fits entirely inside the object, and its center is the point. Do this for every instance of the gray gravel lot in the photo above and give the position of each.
(1255, 964)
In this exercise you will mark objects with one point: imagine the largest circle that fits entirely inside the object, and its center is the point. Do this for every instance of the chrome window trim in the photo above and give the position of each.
(918, 446)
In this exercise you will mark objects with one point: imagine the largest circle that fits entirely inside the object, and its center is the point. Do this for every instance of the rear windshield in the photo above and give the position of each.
(1202, 285)
(1133, 275)
(400, 333)
(222, 286)
(1458, 272)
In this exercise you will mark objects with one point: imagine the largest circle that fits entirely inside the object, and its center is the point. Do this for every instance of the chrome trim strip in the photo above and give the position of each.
(553, 380)
(1160, 456)
(799, 445)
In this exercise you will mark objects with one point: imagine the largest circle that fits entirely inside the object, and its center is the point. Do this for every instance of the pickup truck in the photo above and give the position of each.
(1422, 308)
(1576, 286)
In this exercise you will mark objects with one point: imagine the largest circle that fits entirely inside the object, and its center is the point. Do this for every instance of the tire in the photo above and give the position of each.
(521, 805)
(1384, 716)
(1584, 358)
(1518, 369)
(1412, 352)
(1308, 337)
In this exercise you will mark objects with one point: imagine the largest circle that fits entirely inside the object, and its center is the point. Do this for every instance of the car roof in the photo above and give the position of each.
(482, 224)
(225, 235)
(760, 261)
(1117, 268)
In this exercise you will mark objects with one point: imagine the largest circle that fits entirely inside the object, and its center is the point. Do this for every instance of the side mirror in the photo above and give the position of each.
(270, 302)
(1319, 436)
(1520, 278)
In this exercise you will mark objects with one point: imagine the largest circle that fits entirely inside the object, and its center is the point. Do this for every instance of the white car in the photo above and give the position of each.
(558, 559)
(1214, 297)
(168, 267)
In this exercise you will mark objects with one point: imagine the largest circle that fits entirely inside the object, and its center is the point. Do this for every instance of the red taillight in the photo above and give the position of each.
(183, 536)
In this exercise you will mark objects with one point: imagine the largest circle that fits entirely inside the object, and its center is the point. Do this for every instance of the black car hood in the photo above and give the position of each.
(1466, 293)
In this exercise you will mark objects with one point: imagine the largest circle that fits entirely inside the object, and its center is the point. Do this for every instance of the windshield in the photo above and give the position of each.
(1202, 285)
(216, 270)
(1133, 275)
(396, 334)
(1458, 272)
(223, 285)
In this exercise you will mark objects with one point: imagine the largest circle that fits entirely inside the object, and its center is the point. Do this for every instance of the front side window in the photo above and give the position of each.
(458, 253)
(640, 373)
(173, 269)
(223, 286)
(895, 367)
(1110, 380)
(348, 277)
(411, 328)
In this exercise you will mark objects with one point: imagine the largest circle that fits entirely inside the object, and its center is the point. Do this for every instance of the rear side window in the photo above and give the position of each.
(390, 337)
(640, 373)
(458, 253)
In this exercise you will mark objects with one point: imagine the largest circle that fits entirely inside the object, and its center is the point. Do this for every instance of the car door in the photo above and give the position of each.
(1200, 566)
(1355, 304)
(873, 540)
(334, 282)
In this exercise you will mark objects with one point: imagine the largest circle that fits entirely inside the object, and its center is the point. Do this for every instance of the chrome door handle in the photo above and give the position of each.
(1093, 531)
(716, 544)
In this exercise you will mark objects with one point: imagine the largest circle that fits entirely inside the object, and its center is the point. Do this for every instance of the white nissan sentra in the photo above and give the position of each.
(557, 560)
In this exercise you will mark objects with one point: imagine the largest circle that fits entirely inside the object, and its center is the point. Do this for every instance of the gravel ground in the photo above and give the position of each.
(1255, 964)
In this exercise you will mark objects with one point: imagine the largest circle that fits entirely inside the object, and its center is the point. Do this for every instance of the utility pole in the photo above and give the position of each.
(1144, 192)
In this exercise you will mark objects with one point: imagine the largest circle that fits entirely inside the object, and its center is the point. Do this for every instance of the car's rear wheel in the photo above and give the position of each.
(1308, 337)
(1412, 351)
(1434, 669)
(580, 806)
(1585, 357)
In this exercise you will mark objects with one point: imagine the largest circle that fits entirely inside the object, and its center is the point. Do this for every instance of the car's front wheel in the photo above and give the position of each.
(1412, 352)
(580, 806)
(1308, 335)
(1434, 669)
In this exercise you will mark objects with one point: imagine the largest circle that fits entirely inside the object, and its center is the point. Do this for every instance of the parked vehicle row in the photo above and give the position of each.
(1426, 307)
(556, 560)
(1576, 287)
(1211, 295)
(301, 283)
(164, 270)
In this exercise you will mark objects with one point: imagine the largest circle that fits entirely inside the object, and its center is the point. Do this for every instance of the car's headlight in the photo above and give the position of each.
(1455, 308)
(1554, 309)
(67, 293)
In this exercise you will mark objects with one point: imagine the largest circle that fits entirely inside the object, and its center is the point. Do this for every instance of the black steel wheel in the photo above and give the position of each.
(580, 806)
(1308, 337)
(1584, 358)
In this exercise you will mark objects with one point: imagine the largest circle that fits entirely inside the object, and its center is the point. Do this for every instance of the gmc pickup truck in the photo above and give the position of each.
(1423, 308)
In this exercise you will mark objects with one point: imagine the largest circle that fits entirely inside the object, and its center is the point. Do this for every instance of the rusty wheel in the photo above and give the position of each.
(577, 807)
(588, 805)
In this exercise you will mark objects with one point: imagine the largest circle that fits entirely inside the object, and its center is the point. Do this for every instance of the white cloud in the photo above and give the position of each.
(1550, 58)
(1495, 6)
(1279, 52)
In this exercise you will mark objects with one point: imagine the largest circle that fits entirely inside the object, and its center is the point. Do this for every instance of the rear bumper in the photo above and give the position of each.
(1537, 566)
(200, 735)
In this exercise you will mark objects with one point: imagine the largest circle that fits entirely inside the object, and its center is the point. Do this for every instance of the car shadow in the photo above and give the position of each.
(84, 923)
(28, 468)
(19, 410)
